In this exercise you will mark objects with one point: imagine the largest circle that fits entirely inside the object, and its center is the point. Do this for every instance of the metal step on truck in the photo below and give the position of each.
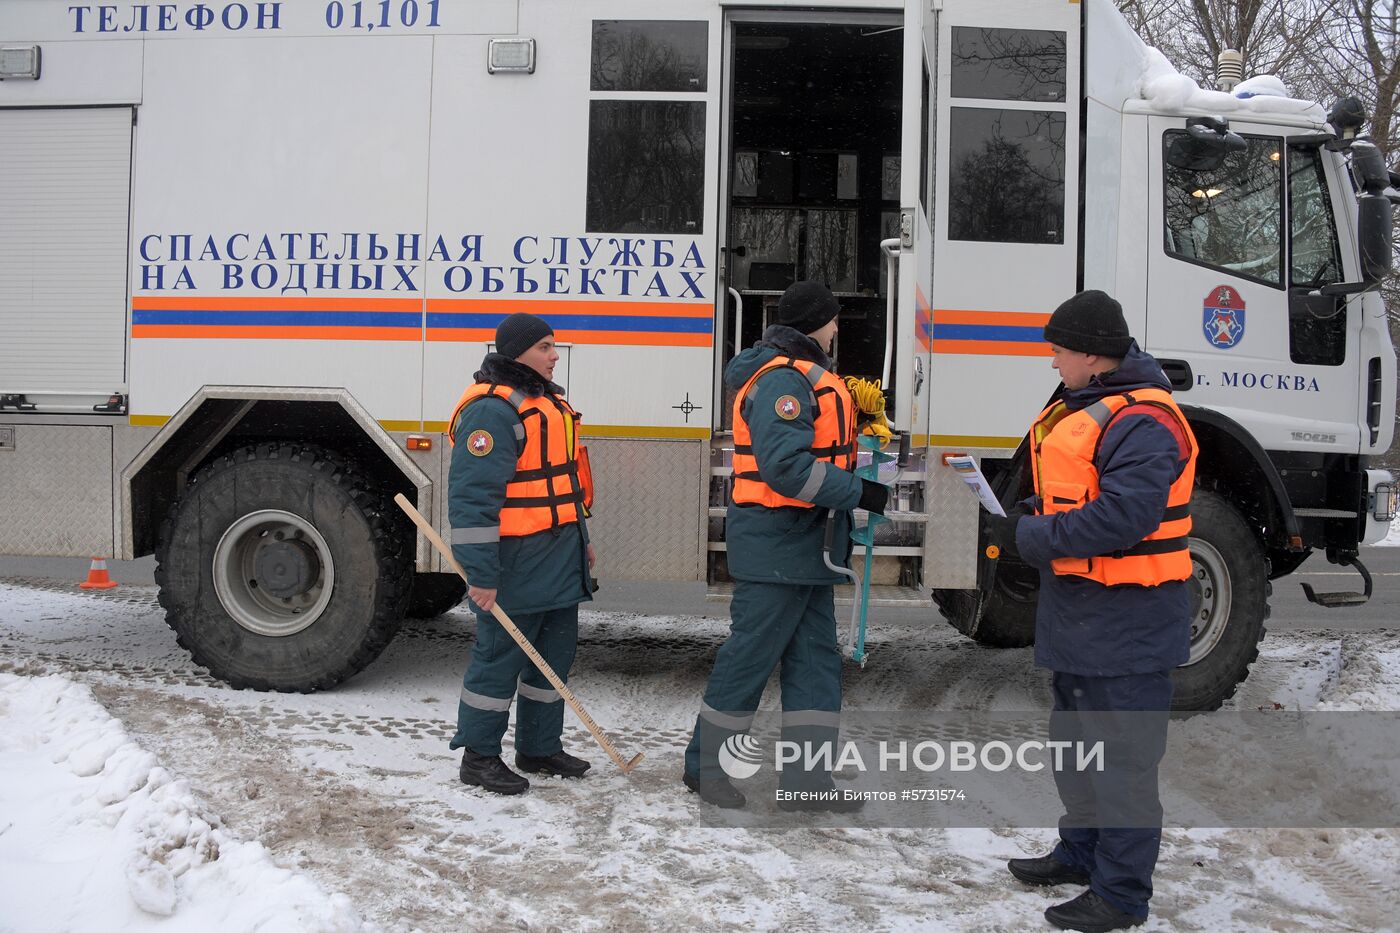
(251, 252)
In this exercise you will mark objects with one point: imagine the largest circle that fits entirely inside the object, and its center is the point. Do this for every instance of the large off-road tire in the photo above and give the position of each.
(282, 568)
(1008, 618)
(434, 593)
(1230, 599)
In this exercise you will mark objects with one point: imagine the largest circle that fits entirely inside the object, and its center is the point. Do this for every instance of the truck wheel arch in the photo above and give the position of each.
(1234, 465)
(219, 418)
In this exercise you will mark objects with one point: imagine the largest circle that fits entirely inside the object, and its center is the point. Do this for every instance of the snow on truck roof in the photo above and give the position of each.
(1163, 89)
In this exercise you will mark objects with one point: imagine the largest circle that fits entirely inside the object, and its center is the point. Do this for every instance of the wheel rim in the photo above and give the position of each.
(1210, 598)
(273, 572)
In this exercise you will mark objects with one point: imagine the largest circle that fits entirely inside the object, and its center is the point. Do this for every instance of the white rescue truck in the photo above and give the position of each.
(251, 252)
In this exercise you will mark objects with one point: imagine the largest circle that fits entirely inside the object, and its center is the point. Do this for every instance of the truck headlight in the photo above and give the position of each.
(1383, 502)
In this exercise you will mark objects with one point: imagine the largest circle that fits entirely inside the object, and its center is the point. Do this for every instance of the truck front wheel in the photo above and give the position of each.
(1008, 621)
(1230, 601)
(281, 568)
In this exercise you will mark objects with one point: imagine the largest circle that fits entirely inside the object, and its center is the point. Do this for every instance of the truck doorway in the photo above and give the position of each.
(813, 164)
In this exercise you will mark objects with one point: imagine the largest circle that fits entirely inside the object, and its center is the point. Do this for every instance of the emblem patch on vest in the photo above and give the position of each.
(787, 407)
(479, 443)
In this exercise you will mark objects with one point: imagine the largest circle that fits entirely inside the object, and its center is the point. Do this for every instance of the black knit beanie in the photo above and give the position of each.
(1090, 322)
(807, 306)
(519, 332)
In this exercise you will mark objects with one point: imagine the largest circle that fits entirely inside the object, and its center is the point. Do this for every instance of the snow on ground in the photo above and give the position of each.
(330, 808)
(1392, 539)
(94, 834)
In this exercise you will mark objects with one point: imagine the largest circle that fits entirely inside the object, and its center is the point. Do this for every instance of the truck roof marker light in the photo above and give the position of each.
(20, 62)
(510, 56)
(1347, 118)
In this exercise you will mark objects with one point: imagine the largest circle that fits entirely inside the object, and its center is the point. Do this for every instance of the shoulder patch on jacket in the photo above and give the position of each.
(1163, 417)
(787, 407)
(479, 443)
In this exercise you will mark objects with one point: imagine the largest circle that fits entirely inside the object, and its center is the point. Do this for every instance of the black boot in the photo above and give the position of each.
(1090, 913)
(560, 763)
(490, 772)
(718, 792)
(1046, 870)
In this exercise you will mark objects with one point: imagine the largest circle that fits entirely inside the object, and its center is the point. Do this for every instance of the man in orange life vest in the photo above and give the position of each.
(794, 437)
(1113, 461)
(518, 491)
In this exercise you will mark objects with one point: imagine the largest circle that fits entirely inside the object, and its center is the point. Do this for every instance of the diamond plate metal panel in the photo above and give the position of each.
(950, 542)
(56, 491)
(646, 515)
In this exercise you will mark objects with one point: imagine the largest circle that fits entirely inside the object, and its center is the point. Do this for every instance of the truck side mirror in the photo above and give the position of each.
(1373, 209)
(1207, 142)
(1373, 226)
(1368, 167)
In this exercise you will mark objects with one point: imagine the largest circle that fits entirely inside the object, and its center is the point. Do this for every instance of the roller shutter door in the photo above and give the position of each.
(65, 182)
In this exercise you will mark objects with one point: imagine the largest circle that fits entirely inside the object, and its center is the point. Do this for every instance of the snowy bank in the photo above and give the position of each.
(1392, 539)
(95, 835)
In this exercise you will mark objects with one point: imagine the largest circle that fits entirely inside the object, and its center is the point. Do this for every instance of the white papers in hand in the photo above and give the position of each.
(967, 470)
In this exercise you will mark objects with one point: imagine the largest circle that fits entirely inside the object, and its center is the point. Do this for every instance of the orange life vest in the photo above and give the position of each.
(1064, 445)
(552, 480)
(833, 442)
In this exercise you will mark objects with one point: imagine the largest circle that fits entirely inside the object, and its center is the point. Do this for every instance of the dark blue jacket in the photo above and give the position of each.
(1082, 626)
(533, 573)
(784, 545)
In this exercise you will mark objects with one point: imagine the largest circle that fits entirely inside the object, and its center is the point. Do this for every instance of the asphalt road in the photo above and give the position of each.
(1291, 610)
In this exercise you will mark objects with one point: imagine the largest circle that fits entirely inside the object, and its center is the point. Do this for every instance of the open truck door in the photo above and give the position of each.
(909, 251)
(827, 174)
(1012, 238)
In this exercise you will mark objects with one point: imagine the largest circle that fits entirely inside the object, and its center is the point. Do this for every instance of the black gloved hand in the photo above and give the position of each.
(873, 496)
(1002, 530)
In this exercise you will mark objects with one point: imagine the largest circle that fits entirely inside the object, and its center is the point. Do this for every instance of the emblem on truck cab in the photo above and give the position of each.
(1222, 319)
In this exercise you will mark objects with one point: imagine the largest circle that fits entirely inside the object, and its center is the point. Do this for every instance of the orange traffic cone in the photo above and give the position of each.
(97, 578)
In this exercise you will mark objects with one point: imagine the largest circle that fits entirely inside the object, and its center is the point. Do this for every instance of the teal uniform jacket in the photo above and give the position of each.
(784, 545)
(534, 573)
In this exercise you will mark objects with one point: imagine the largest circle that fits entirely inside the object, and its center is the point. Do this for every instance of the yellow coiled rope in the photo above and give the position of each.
(870, 408)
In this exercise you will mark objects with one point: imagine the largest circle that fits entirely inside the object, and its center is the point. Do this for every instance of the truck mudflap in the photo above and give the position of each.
(1340, 599)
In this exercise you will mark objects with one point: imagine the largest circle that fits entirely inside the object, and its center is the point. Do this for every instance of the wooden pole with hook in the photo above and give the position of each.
(568, 695)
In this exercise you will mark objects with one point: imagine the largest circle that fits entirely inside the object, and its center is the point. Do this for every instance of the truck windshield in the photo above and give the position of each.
(1230, 217)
